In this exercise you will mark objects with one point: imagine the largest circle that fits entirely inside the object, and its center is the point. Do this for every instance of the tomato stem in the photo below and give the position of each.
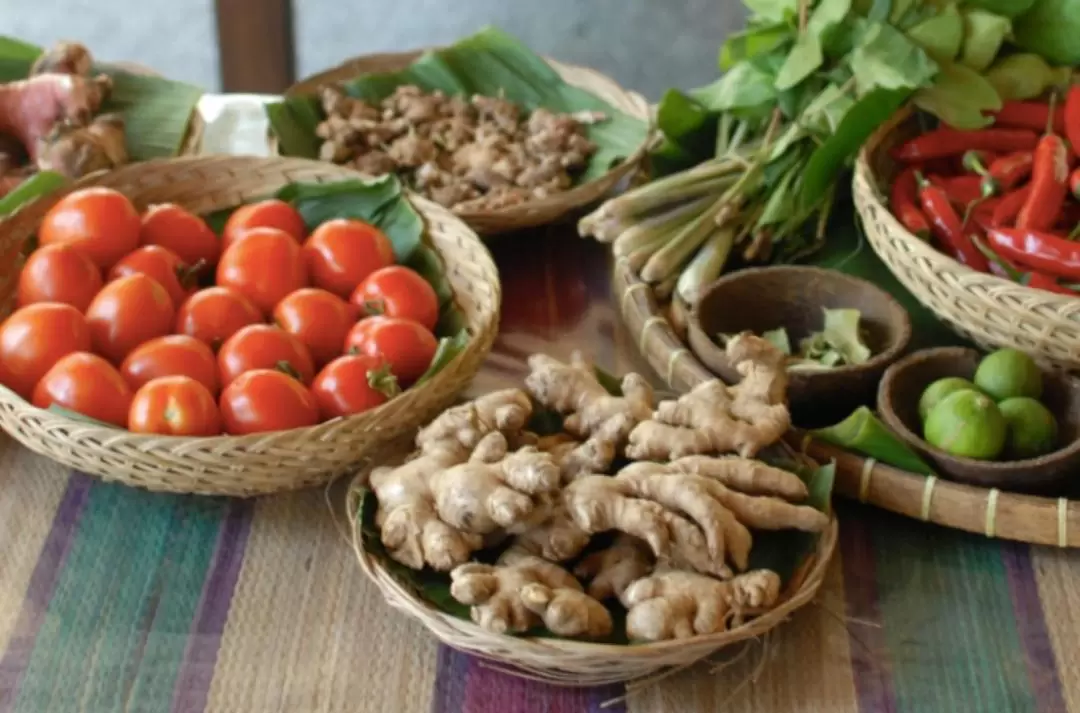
(374, 307)
(384, 381)
(288, 369)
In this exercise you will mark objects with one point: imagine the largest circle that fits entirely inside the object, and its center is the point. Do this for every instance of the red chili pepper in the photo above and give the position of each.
(962, 190)
(1029, 115)
(1006, 211)
(1049, 183)
(998, 265)
(1041, 281)
(1069, 218)
(982, 215)
(904, 204)
(954, 142)
(947, 226)
(1074, 183)
(1072, 118)
(1038, 250)
(1009, 170)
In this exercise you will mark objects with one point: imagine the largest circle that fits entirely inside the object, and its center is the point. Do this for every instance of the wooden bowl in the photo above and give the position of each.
(761, 299)
(898, 403)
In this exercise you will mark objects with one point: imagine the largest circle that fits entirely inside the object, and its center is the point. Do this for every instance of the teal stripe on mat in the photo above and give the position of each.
(116, 628)
(948, 620)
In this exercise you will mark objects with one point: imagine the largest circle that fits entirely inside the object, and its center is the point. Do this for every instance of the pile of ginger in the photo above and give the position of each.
(51, 120)
(668, 534)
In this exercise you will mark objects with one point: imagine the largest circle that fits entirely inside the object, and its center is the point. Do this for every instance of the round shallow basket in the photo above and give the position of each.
(260, 463)
(567, 662)
(992, 311)
(987, 511)
(533, 213)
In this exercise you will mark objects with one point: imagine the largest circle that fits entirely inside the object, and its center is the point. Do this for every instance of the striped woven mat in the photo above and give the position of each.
(113, 599)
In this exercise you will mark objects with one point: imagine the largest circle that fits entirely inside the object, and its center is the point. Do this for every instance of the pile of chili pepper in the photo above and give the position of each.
(1004, 199)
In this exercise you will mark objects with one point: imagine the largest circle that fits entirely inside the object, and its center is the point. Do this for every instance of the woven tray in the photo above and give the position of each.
(994, 513)
(989, 310)
(533, 213)
(260, 463)
(576, 663)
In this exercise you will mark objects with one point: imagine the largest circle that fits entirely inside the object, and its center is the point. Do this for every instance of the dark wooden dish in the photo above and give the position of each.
(898, 404)
(761, 299)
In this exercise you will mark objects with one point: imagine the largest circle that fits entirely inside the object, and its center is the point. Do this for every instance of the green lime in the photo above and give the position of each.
(1008, 373)
(1031, 428)
(966, 424)
(940, 389)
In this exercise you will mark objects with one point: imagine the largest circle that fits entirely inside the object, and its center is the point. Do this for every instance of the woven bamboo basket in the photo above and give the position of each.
(261, 463)
(533, 213)
(991, 512)
(989, 310)
(567, 662)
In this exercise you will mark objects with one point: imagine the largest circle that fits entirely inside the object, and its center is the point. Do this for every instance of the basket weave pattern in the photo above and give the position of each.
(989, 310)
(533, 213)
(260, 463)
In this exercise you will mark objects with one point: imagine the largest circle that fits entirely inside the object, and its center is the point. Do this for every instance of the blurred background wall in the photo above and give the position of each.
(647, 45)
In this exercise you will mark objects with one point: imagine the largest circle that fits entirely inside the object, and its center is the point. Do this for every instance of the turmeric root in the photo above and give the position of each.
(77, 151)
(31, 108)
(610, 571)
(679, 605)
(715, 418)
(522, 592)
(602, 420)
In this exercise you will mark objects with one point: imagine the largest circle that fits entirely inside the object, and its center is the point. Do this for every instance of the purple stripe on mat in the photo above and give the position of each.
(43, 581)
(488, 690)
(1031, 628)
(197, 671)
(869, 650)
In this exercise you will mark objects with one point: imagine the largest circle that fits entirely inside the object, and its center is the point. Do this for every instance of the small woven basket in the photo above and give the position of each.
(261, 463)
(567, 662)
(533, 213)
(989, 310)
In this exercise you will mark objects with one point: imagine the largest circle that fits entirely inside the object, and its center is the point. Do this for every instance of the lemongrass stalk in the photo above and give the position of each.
(706, 265)
(692, 183)
(670, 258)
(646, 230)
(663, 291)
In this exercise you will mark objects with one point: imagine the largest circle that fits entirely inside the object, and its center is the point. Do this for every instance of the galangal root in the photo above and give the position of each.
(677, 520)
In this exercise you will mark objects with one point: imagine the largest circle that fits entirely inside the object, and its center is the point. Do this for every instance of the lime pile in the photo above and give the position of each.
(995, 416)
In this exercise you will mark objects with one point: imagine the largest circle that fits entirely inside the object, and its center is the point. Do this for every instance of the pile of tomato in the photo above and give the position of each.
(156, 324)
(1005, 199)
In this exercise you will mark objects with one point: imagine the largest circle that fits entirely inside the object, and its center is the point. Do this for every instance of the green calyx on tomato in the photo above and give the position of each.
(382, 379)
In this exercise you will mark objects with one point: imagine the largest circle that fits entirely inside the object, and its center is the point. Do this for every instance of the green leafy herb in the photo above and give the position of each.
(885, 58)
(984, 33)
(747, 91)
(490, 63)
(1021, 76)
(804, 59)
(750, 43)
(940, 35)
(772, 10)
(961, 97)
(34, 187)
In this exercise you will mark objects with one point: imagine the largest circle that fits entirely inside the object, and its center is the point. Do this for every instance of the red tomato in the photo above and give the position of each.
(264, 346)
(99, 221)
(342, 252)
(267, 400)
(215, 314)
(127, 312)
(264, 214)
(352, 384)
(397, 291)
(174, 406)
(87, 384)
(171, 355)
(182, 232)
(161, 264)
(263, 265)
(36, 337)
(59, 273)
(405, 345)
(317, 318)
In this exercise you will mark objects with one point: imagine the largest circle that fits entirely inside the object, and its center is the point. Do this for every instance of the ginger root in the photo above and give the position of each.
(715, 418)
(575, 458)
(506, 411)
(610, 571)
(64, 58)
(31, 108)
(679, 605)
(556, 539)
(601, 420)
(77, 151)
(521, 592)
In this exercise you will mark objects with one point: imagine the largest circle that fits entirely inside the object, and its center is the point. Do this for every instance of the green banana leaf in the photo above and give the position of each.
(36, 186)
(157, 111)
(490, 63)
(862, 432)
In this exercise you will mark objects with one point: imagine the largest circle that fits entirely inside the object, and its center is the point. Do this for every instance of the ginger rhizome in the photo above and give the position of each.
(611, 570)
(715, 418)
(677, 605)
(522, 592)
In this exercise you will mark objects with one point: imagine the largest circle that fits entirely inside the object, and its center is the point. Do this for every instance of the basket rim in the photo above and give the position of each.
(810, 580)
(565, 200)
(864, 173)
(94, 430)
